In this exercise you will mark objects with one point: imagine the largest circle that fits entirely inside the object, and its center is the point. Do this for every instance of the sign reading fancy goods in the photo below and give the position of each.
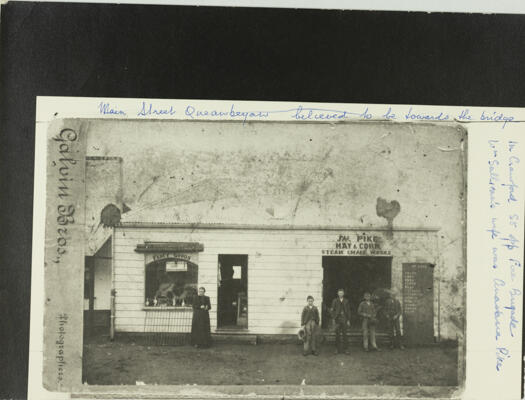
(167, 256)
(358, 244)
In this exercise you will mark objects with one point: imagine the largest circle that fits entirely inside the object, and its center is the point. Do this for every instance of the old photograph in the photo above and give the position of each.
(268, 253)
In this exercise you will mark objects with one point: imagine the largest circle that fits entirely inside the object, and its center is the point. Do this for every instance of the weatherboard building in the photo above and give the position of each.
(259, 257)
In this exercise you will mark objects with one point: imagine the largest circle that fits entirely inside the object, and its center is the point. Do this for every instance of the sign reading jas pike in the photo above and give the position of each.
(358, 244)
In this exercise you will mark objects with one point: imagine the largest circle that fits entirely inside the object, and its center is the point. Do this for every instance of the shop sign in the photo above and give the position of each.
(171, 256)
(358, 244)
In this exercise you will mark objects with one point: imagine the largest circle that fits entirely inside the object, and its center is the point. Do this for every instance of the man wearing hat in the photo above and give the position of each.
(392, 312)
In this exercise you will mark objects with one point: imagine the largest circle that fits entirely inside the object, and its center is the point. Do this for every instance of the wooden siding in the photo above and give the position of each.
(283, 268)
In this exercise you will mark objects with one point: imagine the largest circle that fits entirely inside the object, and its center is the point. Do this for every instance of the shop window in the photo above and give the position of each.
(170, 282)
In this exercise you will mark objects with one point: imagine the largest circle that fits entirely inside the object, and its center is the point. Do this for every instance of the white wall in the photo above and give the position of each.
(283, 268)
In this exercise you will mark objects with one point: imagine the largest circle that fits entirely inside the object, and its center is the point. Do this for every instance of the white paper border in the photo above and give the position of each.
(482, 381)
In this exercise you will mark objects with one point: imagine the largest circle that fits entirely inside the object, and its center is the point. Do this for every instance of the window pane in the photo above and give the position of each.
(171, 283)
(236, 272)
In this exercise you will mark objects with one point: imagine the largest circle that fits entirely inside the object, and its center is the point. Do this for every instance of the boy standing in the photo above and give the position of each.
(310, 324)
(368, 312)
(341, 315)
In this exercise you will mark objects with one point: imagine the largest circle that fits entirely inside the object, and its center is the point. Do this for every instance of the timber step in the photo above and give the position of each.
(235, 337)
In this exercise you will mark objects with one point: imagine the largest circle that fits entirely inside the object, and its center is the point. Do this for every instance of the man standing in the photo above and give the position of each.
(392, 313)
(367, 312)
(340, 312)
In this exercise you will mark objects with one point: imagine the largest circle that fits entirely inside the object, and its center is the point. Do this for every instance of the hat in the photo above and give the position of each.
(301, 334)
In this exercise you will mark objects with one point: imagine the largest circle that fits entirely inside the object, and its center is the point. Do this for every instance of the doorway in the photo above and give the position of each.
(356, 275)
(232, 299)
(97, 291)
(418, 303)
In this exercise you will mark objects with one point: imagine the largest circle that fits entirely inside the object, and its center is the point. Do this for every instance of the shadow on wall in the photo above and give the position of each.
(288, 327)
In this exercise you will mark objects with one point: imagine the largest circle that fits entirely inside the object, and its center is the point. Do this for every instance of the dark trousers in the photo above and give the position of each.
(341, 329)
(394, 329)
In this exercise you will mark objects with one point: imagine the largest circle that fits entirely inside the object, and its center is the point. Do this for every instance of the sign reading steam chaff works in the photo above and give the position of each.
(358, 244)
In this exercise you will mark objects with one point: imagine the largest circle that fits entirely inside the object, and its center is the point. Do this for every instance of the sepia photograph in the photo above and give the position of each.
(223, 253)
(263, 253)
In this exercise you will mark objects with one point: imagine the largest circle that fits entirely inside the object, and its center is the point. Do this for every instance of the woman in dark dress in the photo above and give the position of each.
(200, 324)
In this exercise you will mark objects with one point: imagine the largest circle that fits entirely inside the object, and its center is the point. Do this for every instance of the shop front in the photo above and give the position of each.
(258, 277)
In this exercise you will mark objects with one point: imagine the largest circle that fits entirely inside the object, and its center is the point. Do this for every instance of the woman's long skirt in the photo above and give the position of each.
(200, 328)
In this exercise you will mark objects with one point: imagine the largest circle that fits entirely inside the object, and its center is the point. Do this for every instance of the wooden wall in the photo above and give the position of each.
(284, 266)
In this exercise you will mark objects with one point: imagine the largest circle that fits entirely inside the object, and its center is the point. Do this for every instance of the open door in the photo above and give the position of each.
(232, 301)
(355, 275)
